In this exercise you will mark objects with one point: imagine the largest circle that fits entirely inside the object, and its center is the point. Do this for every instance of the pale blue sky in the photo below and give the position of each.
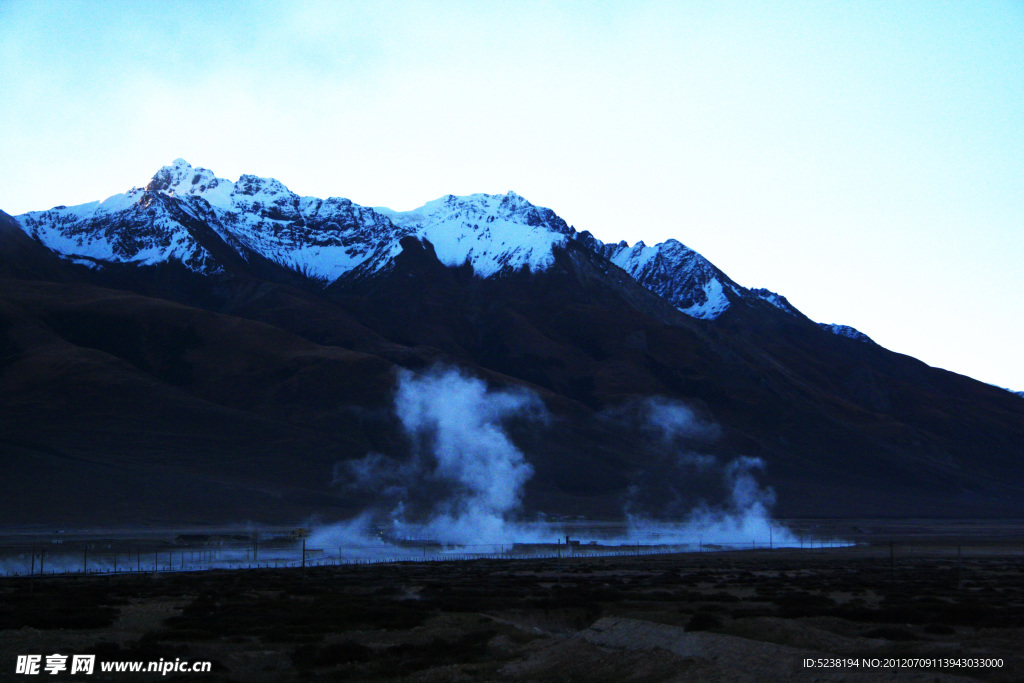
(865, 159)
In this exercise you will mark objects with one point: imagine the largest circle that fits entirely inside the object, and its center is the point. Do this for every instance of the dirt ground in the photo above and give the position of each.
(715, 616)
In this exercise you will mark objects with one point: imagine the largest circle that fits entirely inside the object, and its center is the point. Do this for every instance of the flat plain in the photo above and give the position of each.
(926, 598)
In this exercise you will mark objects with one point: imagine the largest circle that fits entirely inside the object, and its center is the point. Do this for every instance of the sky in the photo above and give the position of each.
(864, 159)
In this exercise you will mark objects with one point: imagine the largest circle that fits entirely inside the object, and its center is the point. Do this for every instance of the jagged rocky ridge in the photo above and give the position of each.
(326, 240)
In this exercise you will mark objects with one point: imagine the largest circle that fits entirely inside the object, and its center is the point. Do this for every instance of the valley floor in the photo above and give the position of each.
(914, 610)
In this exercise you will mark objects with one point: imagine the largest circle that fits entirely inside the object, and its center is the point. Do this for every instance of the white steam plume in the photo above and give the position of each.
(465, 478)
(458, 420)
(746, 513)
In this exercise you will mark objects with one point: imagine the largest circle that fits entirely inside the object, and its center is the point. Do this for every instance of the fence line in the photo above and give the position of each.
(38, 561)
(48, 562)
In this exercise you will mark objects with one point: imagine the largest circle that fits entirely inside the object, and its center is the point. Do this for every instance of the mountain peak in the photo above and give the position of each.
(492, 232)
(479, 202)
(251, 185)
(180, 178)
(676, 272)
(512, 199)
(170, 176)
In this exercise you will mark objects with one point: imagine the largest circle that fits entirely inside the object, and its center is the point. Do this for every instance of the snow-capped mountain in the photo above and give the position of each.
(187, 215)
(684, 277)
(134, 227)
(676, 272)
(493, 233)
(321, 238)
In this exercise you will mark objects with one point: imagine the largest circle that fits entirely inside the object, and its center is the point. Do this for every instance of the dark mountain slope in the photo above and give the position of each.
(240, 341)
(23, 257)
(96, 380)
(111, 381)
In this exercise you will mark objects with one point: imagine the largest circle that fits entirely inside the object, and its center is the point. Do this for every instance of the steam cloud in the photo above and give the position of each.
(743, 516)
(464, 478)
(674, 420)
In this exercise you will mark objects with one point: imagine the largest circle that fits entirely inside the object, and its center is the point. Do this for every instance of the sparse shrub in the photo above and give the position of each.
(345, 652)
(703, 621)
(967, 614)
(890, 633)
(799, 604)
(752, 612)
(710, 607)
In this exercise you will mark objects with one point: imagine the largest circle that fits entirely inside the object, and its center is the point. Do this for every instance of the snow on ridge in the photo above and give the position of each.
(715, 302)
(634, 258)
(325, 239)
(777, 300)
(668, 256)
(845, 331)
(674, 271)
(493, 233)
(95, 232)
(322, 238)
(180, 179)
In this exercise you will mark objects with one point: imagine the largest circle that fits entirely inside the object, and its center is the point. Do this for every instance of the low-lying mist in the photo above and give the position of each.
(462, 481)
